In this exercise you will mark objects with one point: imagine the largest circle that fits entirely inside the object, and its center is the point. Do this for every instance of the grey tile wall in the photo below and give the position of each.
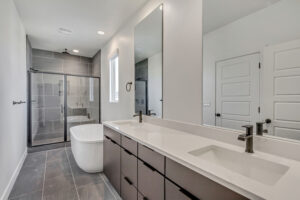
(96, 67)
(141, 70)
(62, 63)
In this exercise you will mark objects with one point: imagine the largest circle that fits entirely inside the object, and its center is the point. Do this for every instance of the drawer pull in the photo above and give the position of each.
(128, 181)
(128, 152)
(113, 141)
(189, 195)
(149, 166)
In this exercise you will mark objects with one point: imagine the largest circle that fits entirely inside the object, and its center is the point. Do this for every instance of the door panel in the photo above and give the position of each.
(237, 91)
(128, 191)
(112, 162)
(173, 192)
(47, 108)
(281, 91)
(150, 182)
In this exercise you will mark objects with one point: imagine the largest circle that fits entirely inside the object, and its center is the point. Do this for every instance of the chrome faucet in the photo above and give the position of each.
(140, 114)
(248, 137)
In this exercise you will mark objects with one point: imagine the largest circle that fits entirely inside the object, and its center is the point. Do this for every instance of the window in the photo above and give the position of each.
(114, 79)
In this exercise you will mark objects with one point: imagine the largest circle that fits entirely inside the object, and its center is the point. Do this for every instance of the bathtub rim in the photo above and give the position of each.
(85, 141)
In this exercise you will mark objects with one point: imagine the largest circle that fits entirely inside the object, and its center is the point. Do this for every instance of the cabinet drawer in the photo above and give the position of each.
(151, 157)
(141, 197)
(129, 166)
(115, 136)
(175, 193)
(150, 182)
(129, 144)
(128, 191)
(198, 185)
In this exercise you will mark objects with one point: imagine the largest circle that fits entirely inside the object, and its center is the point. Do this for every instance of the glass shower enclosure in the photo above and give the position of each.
(58, 102)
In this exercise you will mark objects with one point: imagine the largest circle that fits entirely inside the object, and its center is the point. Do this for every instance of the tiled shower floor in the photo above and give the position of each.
(54, 175)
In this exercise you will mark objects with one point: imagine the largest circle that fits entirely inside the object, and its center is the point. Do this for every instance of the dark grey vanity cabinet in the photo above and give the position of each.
(151, 157)
(150, 182)
(140, 173)
(129, 166)
(112, 160)
(128, 191)
(196, 184)
(174, 192)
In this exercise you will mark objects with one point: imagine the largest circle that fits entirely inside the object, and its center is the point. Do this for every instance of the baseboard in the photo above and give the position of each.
(14, 177)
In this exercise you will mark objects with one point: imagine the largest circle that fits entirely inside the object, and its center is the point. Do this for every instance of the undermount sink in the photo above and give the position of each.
(261, 170)
(129, 123)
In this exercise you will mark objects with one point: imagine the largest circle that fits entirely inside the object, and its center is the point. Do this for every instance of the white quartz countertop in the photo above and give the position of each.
(176, 145)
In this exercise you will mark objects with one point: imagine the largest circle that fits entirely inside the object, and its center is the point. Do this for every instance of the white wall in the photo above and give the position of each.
(13, 123)
(155, 84)
(182, 68)
(275, 24)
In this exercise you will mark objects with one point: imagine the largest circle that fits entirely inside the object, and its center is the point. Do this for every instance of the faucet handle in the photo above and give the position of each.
(248, 126)
(249, 129)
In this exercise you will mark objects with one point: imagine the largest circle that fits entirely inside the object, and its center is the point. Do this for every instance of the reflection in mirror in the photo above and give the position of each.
(148, 64)
(251, 65)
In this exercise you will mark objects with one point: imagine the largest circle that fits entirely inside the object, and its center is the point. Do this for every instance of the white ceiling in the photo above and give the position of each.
(148, 36)
(218, 13)
(43, 18)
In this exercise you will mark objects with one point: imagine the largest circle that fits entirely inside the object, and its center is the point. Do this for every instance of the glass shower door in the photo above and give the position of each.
(47, 108)
(82, 101)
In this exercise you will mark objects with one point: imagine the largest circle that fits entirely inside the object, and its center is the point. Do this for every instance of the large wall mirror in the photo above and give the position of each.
(148, 51)
(251, 65)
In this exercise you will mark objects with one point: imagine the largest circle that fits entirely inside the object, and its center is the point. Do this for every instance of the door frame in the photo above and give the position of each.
(259, 84)
(29, 99)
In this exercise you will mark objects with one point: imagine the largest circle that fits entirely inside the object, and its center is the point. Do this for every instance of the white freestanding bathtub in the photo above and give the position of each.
(87, 147)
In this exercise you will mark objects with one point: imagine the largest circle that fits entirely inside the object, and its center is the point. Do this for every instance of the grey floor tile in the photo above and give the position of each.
(30, 179)
(58, 184)
(57, 154)
(30, 196)
(70, 156)
(46, 147)
(66, 194)
(83, 178)
(57, 168)
(111, 188)
(95, 191)
(35, 159)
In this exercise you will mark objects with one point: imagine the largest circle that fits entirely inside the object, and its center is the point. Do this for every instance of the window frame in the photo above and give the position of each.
(114, 80)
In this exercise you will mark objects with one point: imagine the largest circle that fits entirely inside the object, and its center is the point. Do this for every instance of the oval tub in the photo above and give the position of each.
(87, 147)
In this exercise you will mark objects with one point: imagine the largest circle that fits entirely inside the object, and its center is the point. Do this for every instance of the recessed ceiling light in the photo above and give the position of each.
(100, 32)
(75, 51)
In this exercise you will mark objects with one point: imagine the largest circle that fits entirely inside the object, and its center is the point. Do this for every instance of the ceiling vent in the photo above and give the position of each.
(64, 31)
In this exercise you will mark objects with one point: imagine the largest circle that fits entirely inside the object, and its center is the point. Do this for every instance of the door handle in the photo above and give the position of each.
(149, 166)
(128, 181)
(189, 195)
(128, 152)
(218, 114)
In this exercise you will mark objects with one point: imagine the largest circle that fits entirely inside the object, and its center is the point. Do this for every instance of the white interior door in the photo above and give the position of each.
(237, 91)
(281, 89)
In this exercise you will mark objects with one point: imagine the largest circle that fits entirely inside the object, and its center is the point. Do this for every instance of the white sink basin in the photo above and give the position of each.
(261, 170)
(128, 123)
